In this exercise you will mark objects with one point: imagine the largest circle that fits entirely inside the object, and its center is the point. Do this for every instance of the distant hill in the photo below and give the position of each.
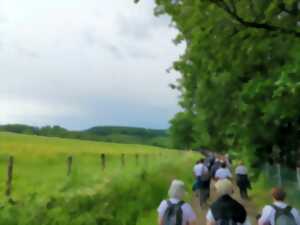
(129, 135)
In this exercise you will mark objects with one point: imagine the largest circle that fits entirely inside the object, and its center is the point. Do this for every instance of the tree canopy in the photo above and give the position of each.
(240, 80)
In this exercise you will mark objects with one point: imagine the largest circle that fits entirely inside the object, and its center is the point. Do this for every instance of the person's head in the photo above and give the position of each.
(224, 187)
(201, 160)
(197, 162)
(223, 164)
(177, 189)
(241, 163)
(278, 194)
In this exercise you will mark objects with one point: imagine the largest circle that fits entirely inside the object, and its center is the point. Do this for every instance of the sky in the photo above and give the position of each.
(84, 63)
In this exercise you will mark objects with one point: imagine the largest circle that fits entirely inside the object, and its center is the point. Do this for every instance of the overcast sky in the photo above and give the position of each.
(82, 63)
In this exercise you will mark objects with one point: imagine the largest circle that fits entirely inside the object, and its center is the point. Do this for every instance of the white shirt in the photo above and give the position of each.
(188, 215)
(210, 218)
(268, 214)
(223, 173)
(199, 169)
(241, 170)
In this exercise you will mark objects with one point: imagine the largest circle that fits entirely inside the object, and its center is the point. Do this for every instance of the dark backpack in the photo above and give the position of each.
(284, 216)
(173, 214)
(225, 222)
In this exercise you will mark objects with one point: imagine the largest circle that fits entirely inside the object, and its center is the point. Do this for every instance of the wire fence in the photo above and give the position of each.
(277, 175)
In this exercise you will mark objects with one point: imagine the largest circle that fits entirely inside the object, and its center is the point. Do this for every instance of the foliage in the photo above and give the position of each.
(240, 80)
(129, 135)
(181, 130)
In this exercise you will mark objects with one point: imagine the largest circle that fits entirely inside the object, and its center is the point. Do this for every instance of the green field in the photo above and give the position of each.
(119, 194)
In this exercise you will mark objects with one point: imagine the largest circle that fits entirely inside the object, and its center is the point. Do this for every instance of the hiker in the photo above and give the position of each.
(223, 172)
(227, 160)
(195, 186)
(175, 211)
(226, 210)
(215, 167)
(203, 181)
(209, 161)
(279, 213)
(242, 180)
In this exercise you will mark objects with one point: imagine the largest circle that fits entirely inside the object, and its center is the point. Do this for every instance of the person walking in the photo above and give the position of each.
(242, 180)
(175, 211)
(279, 213)
(223, 172)
(225, 210)
(203, 182)
(215, 167)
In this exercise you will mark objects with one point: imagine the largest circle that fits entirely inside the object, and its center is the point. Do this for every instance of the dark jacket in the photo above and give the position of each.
(226, 208)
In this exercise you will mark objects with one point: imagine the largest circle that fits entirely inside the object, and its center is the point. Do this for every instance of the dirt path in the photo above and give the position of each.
(251, 209)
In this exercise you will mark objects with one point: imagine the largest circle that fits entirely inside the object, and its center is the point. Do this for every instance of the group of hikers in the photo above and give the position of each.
(225, 210)
(216, 168)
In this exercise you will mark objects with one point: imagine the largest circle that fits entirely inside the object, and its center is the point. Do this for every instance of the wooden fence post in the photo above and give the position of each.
(10, 168)
(137, 159)
(123, 160)
(69, 165)
(298, 167)
(278, 166)
(276, 158)
(103, 162)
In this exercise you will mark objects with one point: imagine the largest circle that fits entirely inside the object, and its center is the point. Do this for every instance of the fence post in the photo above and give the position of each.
(10, 168)
(103, 163)
(276, 158)
(69, 165)
(298, 166)
(298, 176)
(123, 160)
(278, 166)
(137, 159)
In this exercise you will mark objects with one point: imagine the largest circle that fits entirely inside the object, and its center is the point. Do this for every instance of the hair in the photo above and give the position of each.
(223, 165)
(278, 194)
(224, 187)
(201, 160)
(197, 162)
(177, 189)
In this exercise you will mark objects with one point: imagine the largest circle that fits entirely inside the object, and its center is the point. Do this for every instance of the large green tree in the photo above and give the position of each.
(240, 72)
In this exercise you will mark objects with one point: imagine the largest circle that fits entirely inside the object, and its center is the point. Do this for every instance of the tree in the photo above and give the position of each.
(181, 130)
(240, 77)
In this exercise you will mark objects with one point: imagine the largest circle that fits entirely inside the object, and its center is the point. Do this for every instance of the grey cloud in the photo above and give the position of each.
(92, 39)
(27, 52)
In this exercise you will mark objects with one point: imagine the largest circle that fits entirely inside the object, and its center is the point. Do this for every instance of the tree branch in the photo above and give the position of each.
(253, 24)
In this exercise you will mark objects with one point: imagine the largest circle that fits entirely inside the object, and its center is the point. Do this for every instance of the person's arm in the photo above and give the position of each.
(210, 220)
(160, 221)
(191, 215)
(265, 216)
(297, 216)
(161, 210)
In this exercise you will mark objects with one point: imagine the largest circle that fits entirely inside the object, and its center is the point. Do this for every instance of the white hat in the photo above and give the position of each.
(177, 189)
(224, 187)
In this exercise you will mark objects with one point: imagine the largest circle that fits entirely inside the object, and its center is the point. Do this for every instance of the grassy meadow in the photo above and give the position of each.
(117, 195)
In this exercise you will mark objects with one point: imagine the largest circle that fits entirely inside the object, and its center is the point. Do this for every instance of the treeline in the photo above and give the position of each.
(128, 135)
(240, 77)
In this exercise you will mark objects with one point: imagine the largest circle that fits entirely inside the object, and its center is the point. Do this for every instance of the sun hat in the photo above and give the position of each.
(177, 189)
(224, 187)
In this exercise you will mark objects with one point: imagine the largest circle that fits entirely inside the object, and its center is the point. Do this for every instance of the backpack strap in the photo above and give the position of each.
(286, 209)
(180, 203)
(169, 203)
(279, 211)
